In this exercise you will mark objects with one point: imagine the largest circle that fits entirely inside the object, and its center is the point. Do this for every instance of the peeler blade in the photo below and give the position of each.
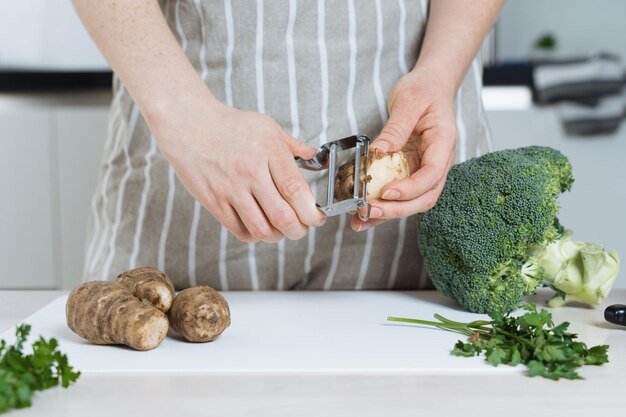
(326, 158)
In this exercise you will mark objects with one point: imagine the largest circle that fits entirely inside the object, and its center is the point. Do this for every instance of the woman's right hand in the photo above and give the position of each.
(240, 166)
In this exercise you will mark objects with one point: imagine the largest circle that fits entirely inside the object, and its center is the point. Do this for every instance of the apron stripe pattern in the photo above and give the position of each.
(393, 272)
(95, 217)
(193, 235)
(228, 94)
(120, 197)
(460, 125)
(382, 109)
(260, 97)
(323, 55)
(142, 204)
(171, 176)
(354, 130)
(486, 131)
(295, 121)
(323, 70)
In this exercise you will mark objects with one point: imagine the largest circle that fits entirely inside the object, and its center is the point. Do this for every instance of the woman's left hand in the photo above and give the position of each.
(422, 124)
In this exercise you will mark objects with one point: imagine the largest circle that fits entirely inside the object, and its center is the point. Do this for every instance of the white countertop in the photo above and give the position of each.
(497, 394)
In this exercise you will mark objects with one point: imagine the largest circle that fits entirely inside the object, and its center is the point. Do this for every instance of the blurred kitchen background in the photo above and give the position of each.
(553, 76)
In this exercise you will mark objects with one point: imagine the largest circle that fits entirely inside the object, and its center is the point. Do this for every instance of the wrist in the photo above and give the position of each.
(172, 109)
(439, 76)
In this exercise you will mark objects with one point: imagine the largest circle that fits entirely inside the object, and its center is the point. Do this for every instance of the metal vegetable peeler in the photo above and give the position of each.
(326, 158)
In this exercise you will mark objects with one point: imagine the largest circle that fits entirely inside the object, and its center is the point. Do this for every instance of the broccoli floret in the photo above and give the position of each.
(485, 241)
(579, 271)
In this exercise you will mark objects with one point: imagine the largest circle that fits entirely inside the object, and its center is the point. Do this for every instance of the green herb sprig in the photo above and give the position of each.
(531, 339)
(21, 375)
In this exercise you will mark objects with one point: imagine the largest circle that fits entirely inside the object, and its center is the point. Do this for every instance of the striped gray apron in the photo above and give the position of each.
(323, 70)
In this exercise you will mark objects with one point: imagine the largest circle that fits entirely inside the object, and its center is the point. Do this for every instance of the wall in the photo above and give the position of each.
(45, 35)
(582, 27)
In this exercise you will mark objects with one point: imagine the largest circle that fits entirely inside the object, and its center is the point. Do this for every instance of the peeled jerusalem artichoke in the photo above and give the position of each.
(382, 168)
(150, 285)
(107, 313)
(199, 314)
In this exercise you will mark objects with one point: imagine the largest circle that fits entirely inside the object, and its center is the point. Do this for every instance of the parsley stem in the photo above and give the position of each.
(430, 323)
(457, 327)
(481, 326)
(519, 339)
(475, 323)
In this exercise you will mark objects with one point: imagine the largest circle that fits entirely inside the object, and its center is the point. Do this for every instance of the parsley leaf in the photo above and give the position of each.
(531, 339)
(21, 375)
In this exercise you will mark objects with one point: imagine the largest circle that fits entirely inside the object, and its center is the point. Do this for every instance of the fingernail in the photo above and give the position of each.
(382, 146)
(322, 222)
(375, 213)
(391, 195)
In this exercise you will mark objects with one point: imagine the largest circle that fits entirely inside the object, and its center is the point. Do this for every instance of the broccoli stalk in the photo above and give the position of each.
(578, 271)
(493, 237)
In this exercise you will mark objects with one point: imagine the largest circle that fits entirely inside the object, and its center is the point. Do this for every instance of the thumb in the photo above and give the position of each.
(298, 148)
(396, 132)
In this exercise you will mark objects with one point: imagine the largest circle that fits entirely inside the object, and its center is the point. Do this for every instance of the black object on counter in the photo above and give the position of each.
(616, 314)
(509, 73)
(30, 81)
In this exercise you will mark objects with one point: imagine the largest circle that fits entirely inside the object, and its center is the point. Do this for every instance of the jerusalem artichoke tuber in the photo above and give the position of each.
(150, 285)
(382, 168)
(199, 314)
(107, 313)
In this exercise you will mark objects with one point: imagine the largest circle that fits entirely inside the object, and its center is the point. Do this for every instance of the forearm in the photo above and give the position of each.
(454, 33)
(138, 44)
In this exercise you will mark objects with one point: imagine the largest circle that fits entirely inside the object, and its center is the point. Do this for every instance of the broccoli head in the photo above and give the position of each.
(486, 242)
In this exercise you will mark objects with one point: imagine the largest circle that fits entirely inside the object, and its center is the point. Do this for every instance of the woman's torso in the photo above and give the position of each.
(323, 70)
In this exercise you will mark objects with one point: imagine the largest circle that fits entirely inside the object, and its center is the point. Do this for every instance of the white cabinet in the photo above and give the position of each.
(27, 212)
(80, 136)
(50, 150)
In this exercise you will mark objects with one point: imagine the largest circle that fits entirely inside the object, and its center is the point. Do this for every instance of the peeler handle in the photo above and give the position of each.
(616, 314)
(320, 161)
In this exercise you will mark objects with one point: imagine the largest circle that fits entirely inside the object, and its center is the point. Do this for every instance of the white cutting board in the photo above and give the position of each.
(290, 332)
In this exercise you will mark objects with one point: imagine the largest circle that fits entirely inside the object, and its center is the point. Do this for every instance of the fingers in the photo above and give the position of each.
(384, 210)
(359, 225)
(298, 148)
(295, 190)
(278, 201)
(279, 213)
(398, 129)
(232, 222)
(435, 163)
(255, 221)
(398, 209)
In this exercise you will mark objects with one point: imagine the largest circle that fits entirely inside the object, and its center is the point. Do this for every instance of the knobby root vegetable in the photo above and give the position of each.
(150, 285)
(199, 314)
(382, 168)
(106, 313)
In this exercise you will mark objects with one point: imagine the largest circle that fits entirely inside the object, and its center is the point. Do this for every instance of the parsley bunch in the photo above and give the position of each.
(531, 339)
(21, 375)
